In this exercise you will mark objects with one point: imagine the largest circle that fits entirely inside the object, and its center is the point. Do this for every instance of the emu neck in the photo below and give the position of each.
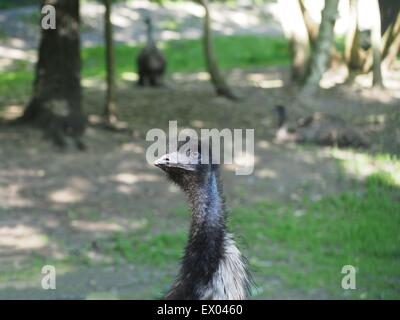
(212, 266)
(205, 248)
(208, 219)
(149, 33)
(206, 203)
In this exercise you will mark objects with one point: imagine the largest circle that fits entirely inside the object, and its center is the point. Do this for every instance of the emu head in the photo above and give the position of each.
(147, 20)
(187, 166)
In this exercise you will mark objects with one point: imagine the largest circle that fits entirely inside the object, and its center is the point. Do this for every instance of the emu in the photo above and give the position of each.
(320, 129)
(151, 63)
(212, 266)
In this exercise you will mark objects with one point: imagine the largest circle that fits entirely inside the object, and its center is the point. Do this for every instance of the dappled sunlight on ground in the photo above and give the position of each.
(75, 192)
(262, 80)
(10, 196)
(265, 173)
(361, 165)
(93, 83)
(243, 163)
(21, 237)
(67, 195)
(129, 178)
(11, 112)
(134, 147)
(263, 144)
(130, 76)
(99, 226)
(102, 227)
(198, 76)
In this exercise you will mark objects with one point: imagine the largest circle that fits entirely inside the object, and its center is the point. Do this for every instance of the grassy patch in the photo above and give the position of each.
(182, 56)
(15, 84)
(9, 4)
(161, 249)
(187, 55)
(301, 247)
(306, 248)
(31, 270)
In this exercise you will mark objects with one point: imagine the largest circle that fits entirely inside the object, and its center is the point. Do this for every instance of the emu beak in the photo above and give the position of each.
(173, 160)
(162, 161)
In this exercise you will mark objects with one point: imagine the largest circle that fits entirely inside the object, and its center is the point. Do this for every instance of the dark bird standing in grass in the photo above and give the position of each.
(212, 266)
(320, 129)
(151, 63)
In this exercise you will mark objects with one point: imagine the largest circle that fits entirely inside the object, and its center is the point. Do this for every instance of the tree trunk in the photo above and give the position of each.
(391, 43)
(352, 46)
(110, 107)
(321, 54)
(55, 105)
(313, 29)
(390, 46)
(376, 46)
(299, 39)
(389, 10)
(217, 79)
(311, 25)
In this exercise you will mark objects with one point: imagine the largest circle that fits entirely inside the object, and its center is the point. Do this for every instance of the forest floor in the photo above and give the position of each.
(115, 228)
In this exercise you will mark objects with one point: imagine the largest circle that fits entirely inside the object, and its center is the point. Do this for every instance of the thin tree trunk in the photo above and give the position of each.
(110, 107)
(352, 46)
(311, 25)
(321, 54)
(376, 46)
(300, 47)
(389, 10)
(299, 39)
(55, 105)
(392, 44)
(217, 79)
(313, 29)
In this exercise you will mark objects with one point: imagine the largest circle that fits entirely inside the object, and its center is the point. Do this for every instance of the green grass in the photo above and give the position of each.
(187, 56)
(15, 84)
(160, 249)
(10, 4)
(307, 250)
(303, 247)
(182, 56)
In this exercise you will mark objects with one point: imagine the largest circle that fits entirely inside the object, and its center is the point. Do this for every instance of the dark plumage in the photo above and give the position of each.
(319, 128)
(151, 63)
(212, 266)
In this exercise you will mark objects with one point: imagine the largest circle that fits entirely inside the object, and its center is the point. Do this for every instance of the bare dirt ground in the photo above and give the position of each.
(57, 204)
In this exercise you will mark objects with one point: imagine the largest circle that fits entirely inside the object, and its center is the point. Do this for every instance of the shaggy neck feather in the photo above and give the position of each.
(205, 248)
